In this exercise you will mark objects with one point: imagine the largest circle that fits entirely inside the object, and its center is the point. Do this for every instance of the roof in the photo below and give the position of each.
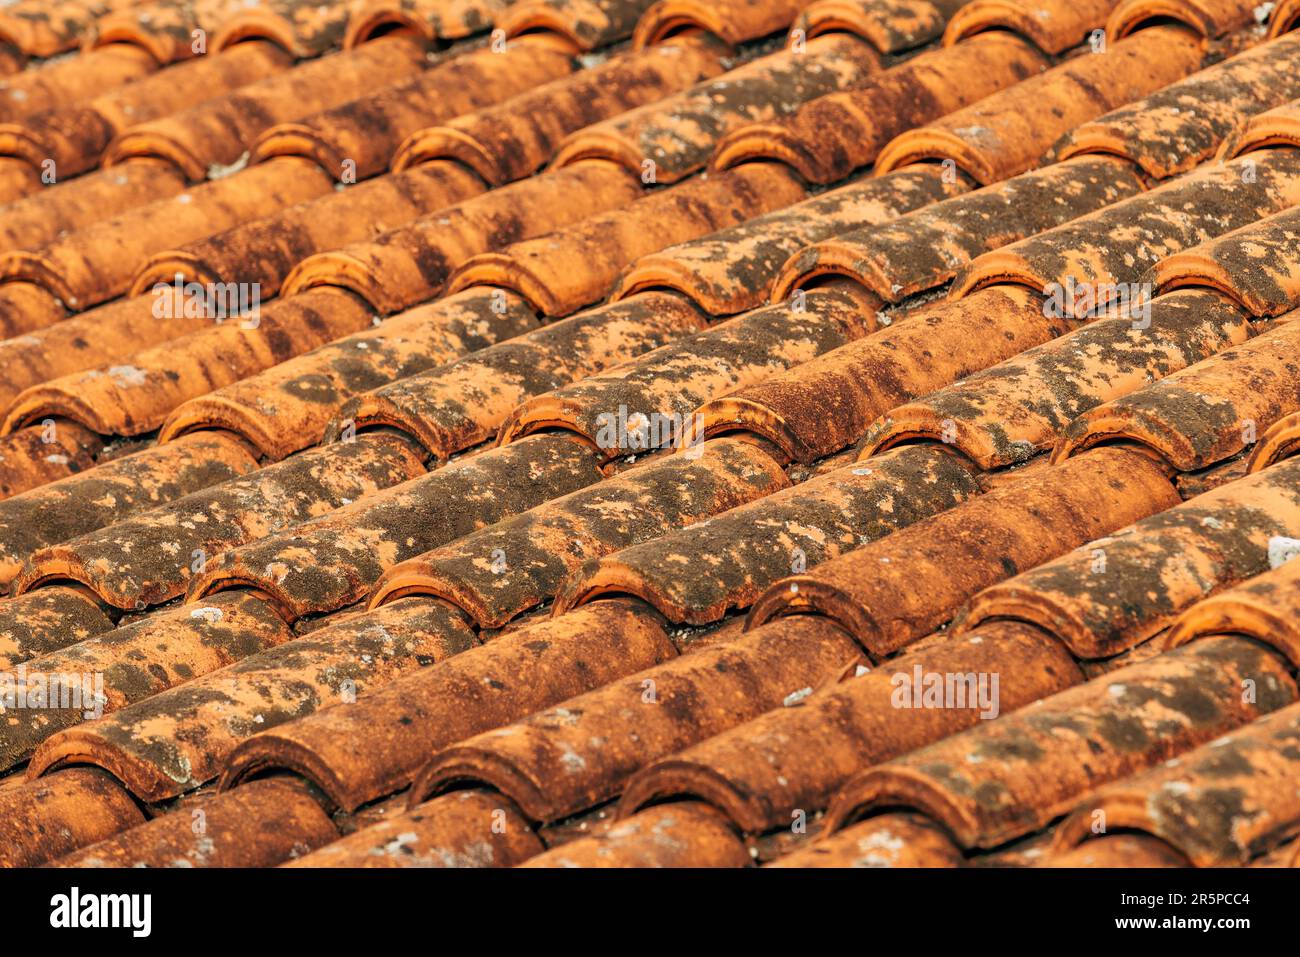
(615, 433)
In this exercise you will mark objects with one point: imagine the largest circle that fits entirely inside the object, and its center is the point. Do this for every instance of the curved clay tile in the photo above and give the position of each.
(40, 29)
(374, 747)
(257, 826)
(1005, 779)
(677, 135)
(149, 559)
(1120, 850)
(1280, 441)
(136, 396)
(410, 264)
(902, 587)
(175, 740)
(731, 270)
(1054, 26)
(305, 28)
(45, 621)
(331, 562)
(580, 25)
(1285, 17)
(105, 334)
(565, 270)
(892, 839)
(265, 250)
(24, 307)
(76, 136)
(1204, 414)
(113, 491)
(144, 658)
(215, 133)
(287, 407)
(892, 26)
(463, 403)
(470, 828)
(1220, 806)
(616, 411)
(46, 819)
(925, 248)
(431, 19)
(1010, 412)
(540, 548)
(735, 556)
(733, 21)
(165, 28)
(579, 754)
(39, 454)
(1257, 265)
(511, 140)
(1176, 128)
(39, 219)
(824, 405)
(97, 263)
(18, 178)
(835, 134)
(759, 781)
(687, 834)
(1266, 608)
(1008, 132)
(1210, 18)
(1279, 126)
(82, 77)
(1117, 244)
(1121, 590)
(366, 131)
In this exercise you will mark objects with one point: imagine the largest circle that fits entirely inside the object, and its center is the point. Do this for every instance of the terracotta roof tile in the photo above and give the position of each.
(287, 406)
(730, 271)
(1219, 806)
(1006, 778)
(375, 747)
(1007, 132)
(838, 132)
(891, 25)
(676, 136)
(1152, 571)
(1020, 525)
(369, 130)
(463, 403)
(256, 826)
(391, 482)
(513, 139)
(113, 491)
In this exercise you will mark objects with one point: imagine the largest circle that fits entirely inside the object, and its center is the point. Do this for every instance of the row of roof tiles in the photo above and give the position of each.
(386, 640)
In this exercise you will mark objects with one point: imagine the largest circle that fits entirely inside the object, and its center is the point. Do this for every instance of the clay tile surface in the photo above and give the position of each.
(676, 136)
(46, 819)
(924, 248)
(578, 24)
(1173, 129)
(734, 557)
(843, 130)
(1053, 25)
(892, 25)
(565, 270)
(287, 407)
(1210, 18)
(1205, 413)
(1219, 806)
(1018, 525)
(368, 131)
(1006, 133)
(1279, 126)
(731, 270)
(1004, 779)
(1154, 570)
(673, 835)
(463, 403)
(375, 747)
(1010, 412)
(734, 21)
(42, 621)
(1281, 440)
(511, 140)
(432, 19)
